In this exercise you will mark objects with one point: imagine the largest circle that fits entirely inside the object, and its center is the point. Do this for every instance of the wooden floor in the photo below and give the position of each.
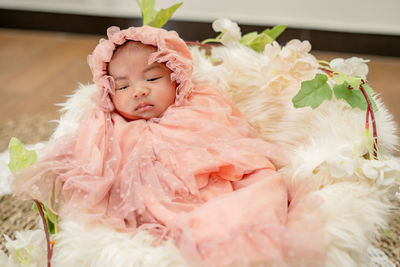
(37, 70)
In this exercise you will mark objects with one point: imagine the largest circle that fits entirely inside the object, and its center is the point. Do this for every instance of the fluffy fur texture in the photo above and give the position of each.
(5, 181)
(78, 245)
(355, 208)
(262, 88)
(74, 108)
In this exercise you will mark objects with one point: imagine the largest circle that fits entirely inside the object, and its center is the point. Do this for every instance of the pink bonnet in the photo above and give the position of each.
(171, 49)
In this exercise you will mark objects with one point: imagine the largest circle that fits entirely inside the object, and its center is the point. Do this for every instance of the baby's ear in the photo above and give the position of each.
(179, 46)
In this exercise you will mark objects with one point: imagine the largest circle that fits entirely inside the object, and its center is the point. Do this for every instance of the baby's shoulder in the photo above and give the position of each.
(207, 94)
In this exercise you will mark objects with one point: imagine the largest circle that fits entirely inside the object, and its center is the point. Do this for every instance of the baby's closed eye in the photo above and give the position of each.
(153, 79)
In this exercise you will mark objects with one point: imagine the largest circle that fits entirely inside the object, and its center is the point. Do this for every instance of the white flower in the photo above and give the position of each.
(272, 50)
(354, 66)
(398, 195)
(28, 247)
(295, 49)
(231, 31)
(383, 172)
(342, 164)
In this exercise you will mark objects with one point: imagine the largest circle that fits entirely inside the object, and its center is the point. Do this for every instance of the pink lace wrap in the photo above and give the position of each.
(171, 50)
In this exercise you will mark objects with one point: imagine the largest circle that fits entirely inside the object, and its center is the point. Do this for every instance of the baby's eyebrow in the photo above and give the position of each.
(151, 67)
(147, 69)
(120, 78)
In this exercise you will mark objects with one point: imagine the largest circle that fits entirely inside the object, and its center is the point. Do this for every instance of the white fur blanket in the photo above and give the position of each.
(325, 141)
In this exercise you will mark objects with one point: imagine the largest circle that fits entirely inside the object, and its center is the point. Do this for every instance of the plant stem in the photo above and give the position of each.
(46, 231)
(201, 44)
(213, 40)
(198, 44)
(370, 112)
(325, 70)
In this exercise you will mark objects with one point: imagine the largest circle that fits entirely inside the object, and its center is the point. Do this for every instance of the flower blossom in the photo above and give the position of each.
(296, 49)
(28, 249)
(272, 50)
(349, 161)
(383, 172)
(353, 66)
(230, 31)
(342, 164)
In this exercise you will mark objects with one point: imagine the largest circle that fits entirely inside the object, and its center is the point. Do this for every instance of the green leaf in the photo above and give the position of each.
(369, 92)
(49, 216)
(20, 157)
(353, 81)
(248, 38)
(313, 92)
(275, 31)
(259, 41)
(148, 10)
(163, 16)
(258, 44)
(51, 219)
(24, 256)
(354, 97)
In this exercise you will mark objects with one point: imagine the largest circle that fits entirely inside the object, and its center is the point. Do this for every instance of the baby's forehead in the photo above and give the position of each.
(134, 47)
(129, 49)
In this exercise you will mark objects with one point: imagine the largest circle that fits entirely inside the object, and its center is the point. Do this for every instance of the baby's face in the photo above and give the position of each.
(142, 91)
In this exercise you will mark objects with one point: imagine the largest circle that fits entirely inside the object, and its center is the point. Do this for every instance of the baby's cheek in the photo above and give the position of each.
(118, 101)
(113, 101)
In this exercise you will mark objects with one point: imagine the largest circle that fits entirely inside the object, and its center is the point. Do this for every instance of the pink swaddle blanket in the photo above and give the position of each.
(199, 173)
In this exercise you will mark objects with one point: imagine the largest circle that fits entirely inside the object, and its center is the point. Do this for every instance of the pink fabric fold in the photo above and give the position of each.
(200, 175)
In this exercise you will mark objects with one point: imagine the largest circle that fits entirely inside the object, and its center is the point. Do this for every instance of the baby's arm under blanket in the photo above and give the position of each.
(201, 97)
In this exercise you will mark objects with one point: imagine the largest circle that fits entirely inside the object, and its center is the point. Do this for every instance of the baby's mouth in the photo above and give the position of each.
(143, 107)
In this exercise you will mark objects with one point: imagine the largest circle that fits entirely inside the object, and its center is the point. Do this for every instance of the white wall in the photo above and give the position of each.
(364, 16)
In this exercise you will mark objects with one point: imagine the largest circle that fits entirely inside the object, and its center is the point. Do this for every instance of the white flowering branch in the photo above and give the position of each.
(21, 158)
(349, 76)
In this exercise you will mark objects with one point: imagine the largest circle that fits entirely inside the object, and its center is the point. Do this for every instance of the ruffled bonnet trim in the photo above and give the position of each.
(171, 50)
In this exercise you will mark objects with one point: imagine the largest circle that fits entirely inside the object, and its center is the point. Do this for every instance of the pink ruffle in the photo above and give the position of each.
(171, 50)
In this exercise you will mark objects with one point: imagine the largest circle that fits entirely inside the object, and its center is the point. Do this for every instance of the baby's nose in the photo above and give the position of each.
(140, 92)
